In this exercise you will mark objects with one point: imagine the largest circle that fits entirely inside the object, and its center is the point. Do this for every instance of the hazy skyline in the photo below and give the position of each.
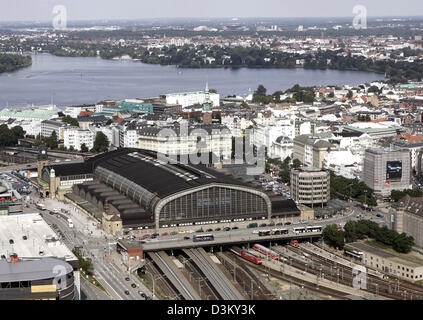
(41, 10)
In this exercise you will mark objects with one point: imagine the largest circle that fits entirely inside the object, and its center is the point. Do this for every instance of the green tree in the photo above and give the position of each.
(84, 148)
(403, 243)
(296, 163)
(334, 236)
(51, 142)
(261, 90)
(350, 229)
(18, 132)
(101, 142)
(71, 121)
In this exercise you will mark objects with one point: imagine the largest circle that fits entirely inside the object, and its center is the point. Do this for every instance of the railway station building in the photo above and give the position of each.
(132, 189)
(389, 263)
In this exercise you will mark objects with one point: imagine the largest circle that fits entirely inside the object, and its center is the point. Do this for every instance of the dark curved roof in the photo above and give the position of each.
(142, 167)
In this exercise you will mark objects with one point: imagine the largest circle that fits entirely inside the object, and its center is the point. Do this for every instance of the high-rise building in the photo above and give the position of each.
(385, 170)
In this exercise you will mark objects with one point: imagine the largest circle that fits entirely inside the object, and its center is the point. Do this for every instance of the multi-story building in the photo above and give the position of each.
(128, 135)
(407, 216)
(281, 148)
(310, 186)
(48, 126)
(174, 141)
(266, 134)
(414, 147)
(385, 170)
(74, 137)
(310, 150)
(187, 99)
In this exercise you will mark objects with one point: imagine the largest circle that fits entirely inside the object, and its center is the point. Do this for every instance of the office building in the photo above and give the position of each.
(385, 170)
(310, 186)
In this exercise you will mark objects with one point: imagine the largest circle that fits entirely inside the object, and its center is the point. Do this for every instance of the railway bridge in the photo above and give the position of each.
(227, 240)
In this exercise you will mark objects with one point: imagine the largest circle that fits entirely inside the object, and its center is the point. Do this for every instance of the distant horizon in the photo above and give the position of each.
(92, 10)
(212, 18)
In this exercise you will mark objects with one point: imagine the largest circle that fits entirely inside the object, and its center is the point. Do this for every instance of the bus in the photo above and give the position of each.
(299, 230)
(204, 237)
(314, 228)
(70, 223)
(40, 206)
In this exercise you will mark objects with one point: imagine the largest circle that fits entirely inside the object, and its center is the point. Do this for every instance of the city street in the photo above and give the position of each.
(95, 246)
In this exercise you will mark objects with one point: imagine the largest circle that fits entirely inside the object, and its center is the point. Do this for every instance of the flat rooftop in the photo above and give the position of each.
(409, 261)
(31, 270)
(40, 237)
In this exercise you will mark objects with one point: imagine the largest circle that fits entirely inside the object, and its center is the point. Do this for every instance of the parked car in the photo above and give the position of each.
(133, 285)
(226, 229)
(11, 241)
(127, 279)
(127, 292)
(209, 230)
(186, 238)
(25, 237)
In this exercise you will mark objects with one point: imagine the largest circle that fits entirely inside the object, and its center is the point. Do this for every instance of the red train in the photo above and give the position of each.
(265, 251)
(246, 255)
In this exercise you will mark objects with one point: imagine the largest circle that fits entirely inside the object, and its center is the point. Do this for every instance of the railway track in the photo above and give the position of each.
(155, 274)
(252, 284)
(217, 279)
(179, 282)
(342, 274)
(299, 282)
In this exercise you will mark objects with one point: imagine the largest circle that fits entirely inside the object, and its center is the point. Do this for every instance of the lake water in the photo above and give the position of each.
(71, 81)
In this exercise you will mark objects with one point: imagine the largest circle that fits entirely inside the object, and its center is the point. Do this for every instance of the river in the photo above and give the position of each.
(70, 81)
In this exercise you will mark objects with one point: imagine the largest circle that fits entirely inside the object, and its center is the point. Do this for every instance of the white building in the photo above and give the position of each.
(187, 99)
(128, 136)
(75, 137)
(343, 163)
(74, 111)
(179, 140)
(266, 134)
(281, 148)
(236, 124)
(48, 126)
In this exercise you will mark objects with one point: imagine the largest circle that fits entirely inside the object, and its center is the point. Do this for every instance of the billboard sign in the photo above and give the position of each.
(393, 170)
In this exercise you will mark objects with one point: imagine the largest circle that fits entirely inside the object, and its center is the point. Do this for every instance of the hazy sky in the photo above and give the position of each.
(139, 9)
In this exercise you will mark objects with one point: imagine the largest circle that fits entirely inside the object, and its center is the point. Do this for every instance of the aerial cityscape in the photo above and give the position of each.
(224, 157)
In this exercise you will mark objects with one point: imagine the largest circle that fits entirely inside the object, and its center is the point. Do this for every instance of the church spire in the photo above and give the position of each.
(207, 105)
